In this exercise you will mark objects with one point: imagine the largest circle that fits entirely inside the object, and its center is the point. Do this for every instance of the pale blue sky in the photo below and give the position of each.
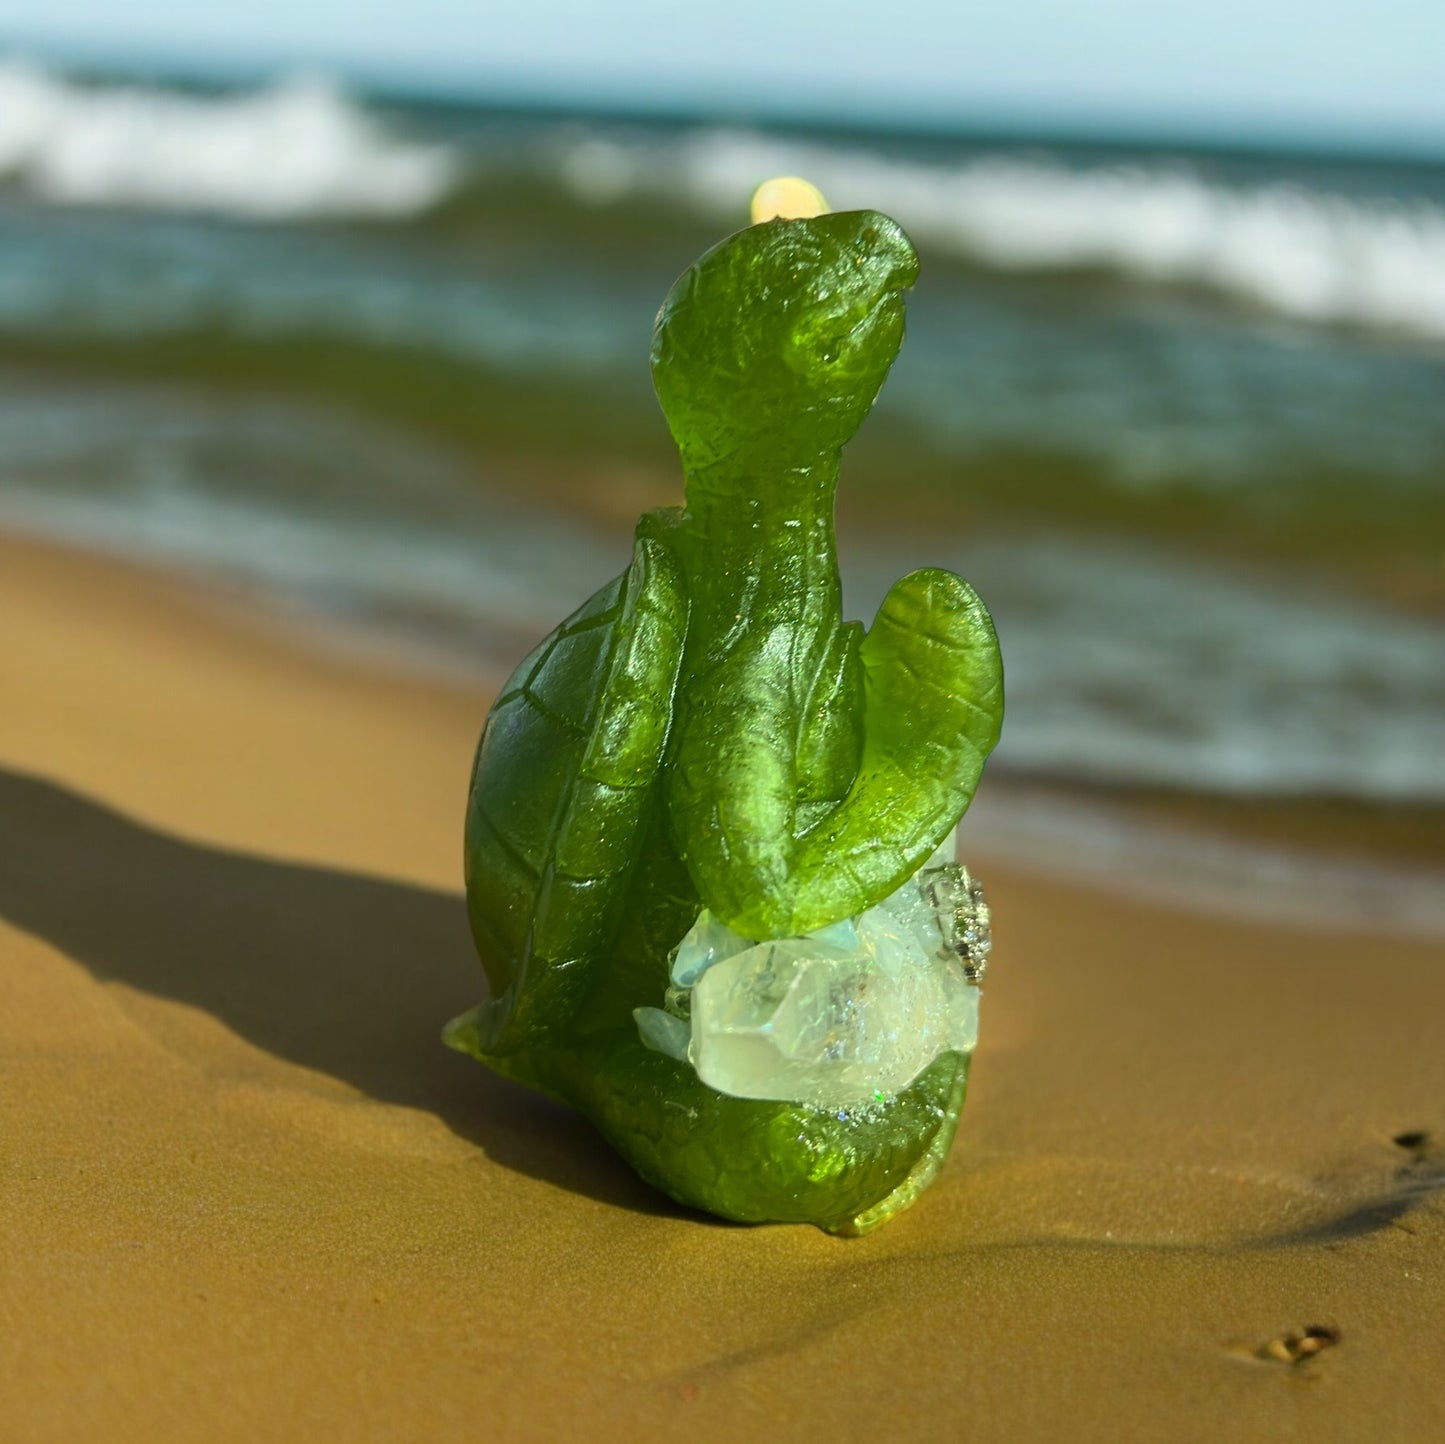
(1338, 68)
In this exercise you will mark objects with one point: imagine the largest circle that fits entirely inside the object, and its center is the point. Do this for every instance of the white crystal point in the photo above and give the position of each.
(662, 1032)
(853, 1012)
(708, 942)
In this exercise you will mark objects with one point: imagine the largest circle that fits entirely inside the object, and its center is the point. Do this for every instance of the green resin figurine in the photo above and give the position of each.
(708, 832)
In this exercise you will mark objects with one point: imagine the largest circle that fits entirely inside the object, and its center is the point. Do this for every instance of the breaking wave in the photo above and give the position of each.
(304, 149)
(296, 150)
(1286, 247)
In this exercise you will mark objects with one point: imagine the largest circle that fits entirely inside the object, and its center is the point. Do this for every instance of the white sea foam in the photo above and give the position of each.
(1306, 254)
(302, 148)
(294, 150)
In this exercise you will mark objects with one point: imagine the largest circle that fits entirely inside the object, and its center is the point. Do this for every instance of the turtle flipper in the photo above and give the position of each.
(560, 796)
(932, 709)
(845, 1169)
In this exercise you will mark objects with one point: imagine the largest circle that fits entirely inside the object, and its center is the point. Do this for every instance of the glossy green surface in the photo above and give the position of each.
(707, 729)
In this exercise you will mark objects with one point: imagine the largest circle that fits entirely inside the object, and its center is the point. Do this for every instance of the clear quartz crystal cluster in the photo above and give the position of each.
(853, 1012)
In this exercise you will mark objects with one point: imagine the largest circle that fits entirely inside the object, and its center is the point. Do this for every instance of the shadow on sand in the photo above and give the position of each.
(347, 974)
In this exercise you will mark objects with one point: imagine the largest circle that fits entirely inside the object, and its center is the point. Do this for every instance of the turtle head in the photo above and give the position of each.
(778, 340)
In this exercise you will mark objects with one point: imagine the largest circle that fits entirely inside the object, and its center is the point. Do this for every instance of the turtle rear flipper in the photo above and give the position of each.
(560, 797)
(757, 1161)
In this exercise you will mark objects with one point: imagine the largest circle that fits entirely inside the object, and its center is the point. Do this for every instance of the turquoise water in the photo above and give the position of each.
(1181, 416)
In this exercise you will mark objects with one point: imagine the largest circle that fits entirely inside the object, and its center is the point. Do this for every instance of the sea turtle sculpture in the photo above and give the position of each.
(707, 744)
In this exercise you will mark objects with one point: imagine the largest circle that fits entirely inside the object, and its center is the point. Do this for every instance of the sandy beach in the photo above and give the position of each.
(247, 1194)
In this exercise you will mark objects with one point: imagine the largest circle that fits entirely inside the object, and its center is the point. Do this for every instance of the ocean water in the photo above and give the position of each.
(1179, 415)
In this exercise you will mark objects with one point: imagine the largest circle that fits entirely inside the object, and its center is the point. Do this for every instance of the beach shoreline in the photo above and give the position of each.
(248, 1192)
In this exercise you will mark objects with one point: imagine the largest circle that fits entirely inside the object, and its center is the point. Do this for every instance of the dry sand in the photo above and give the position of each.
(246, 1194)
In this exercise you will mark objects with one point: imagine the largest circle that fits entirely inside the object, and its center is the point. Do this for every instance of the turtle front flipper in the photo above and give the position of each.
(560, 798)
(932, 706)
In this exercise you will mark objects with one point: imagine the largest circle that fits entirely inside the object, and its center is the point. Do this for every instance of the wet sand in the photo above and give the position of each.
(247, 1194)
